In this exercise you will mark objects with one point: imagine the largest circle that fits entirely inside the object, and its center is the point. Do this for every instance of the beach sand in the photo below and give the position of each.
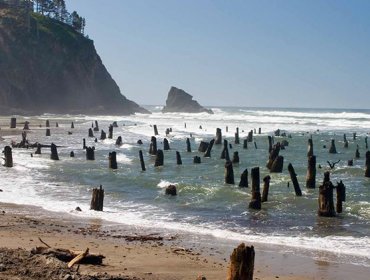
(174, 257)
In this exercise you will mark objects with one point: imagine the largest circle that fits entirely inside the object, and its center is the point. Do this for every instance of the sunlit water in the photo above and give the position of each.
(204, 205)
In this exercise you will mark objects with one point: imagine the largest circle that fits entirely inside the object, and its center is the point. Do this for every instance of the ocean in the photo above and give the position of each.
(205, 205)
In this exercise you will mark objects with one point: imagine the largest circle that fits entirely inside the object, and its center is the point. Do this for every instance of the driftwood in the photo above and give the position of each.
(241, 263)
(78, 258)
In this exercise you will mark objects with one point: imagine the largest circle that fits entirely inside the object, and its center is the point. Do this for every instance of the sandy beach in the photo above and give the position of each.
(128, 252)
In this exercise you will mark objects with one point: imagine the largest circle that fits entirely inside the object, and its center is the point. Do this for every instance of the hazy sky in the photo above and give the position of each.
(235, 53)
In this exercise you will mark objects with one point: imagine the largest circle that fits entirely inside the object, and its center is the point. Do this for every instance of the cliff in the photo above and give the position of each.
(48, 67)
(180, 101)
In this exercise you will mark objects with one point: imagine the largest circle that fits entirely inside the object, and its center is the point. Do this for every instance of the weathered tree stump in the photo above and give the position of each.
(237, 141)
(119, 141)
(96, 128)
(354, 136)
(270, 143)
(13, 123)
(274, 153)
(56, 124)
(225, 152)
(188, 146)
(332, 149)
(196, 160)
(48, 132)
(97, 199)
(277, 165)
(178, 158)
(255, 145)
(250, 136)
(345, 141)
(209, 148)
(259, 131)
(103, 135)
(91, 134)
(159, 158)
(229, 173)
(90, 153)
(142, 163)
(241, 263)
(113, 160)
(218, 140)
(38, 149)
(350, 162)
(54, 152)
(326, 202)
(235, 158)
(256, 194)
(155, 130)
(341, 196)
(84, 144)
(26, 125)
(110, 132)
(203, 146)
(245, 144)
(153, 146)
(171, 190)
(47, 124)
(244, 179)
(166, 145)
(310, 148)
(366, 146)
(293, 177)
(367, 171)
(8, 156)
(72, 154)
(266, 187)
(72, 125)
(139, 142)
(114, 124)
(357, 154)
(311, 173)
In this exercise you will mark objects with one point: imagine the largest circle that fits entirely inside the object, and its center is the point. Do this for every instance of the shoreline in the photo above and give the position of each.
(178, 256)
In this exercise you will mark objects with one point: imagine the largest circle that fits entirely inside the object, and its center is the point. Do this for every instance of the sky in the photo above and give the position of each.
(262, 53)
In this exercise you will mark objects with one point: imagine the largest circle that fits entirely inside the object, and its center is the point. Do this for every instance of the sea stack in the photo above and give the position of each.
(180, 101)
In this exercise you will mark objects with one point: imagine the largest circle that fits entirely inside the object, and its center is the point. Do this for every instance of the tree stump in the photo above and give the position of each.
(178, 158)
(153, 146)
(84, 144)
(72, 154)
(310, 148)
(326, 202)
(237, 141)
(171, 190)
(332, 149)
(244, 179)
(119, 141)
(209, 148)
(90, 154)
(341, 196)
(26, 126)
(97, 199)
(259, 131)
(110, 132)
(114, 124)
(235, 157)
(8, 156)
(273, 154)
(266, 187)
(155, 130)
(241, 263)
(142, 163)
(366, 146)
(47, 124)
(113, 160)
(350, 162)
(357, 154)
(103, 135)
(54, 152)
(96, 128)
(229, 173)
(367, 171)
(250, 136)
(56, 124)
(345, 141)
(311, 173)
(196, 160)
(354, 136)
(166, 145)
(91, 134)
(293, 177)
(277, 165)
(218, 140)
(47, 132)
(225, 152)
(255, 145)
(72, 125)
(13, 123)
(245, 144)
(256, 194)
(203, 146)
(159, 158)
(188, 146)
(139, 142)
(38, 149)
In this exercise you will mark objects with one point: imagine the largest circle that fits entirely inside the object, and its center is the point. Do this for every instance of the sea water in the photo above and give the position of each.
(205, 205)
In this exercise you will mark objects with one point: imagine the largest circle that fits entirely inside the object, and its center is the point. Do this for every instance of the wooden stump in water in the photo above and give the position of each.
(142, 163)
(84, 144)
(256, 194)
(38, 150)
(225, 152)
(72, 154)
(259, 131)
(54, 152)
(13, 122)
(357, 154)
(97, 199)
(229, 173)
(266, 187)
(159, 158)
(274, 153)
(103, 135)
(119, 141)
(113, 160)
(171, 190)
(203, 146)
(250, 136)
(8, 156)
(47, 124)
(153, 146)
(197, 160)
(91, 134)
(245, 144)
(178, 158)
(310, 148)
(244, 179)
(188, 146)
(241, 263)
(47, 132)
(218, 140)
(354, 136)
(209, 148)
(90, 153)
(255, 144)
(311, 173)
(366, 146)
(350, 162)
(326, 201)
(341, 196)
(139, 142)
(72, 125)
(56, 124)
(110, 132)
(367, 171)
(277, 165)
(166, 145)
(235, 157)
(26, 125)
(155, 130)
(115, 124)
(345, 141)
(96, 128)
(332, 149)
(293, 177)
(237, 141)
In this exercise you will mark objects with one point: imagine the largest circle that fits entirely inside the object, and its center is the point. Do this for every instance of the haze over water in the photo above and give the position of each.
(204, 204)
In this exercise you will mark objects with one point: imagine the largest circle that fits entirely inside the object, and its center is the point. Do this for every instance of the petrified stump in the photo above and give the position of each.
(38, 149)
(8, 156)
(350, 162)
(178, 158)
(229, 173)
(256, 194)
(171, 190)
(113, 160)
(209, 148)
(139, 142)
(155, 130)
(293, 177)
(47, 132)
(235, 157)
(277, 165)
(97, 199)
(367, 171)
(90, 153)
(188, 146)
(54, 152)
(56, 124)
(244, 179)
(341, 196)
(110, 132)
(91, 134)
(266, 187)
(13, 122)
(332, 149)
(153, 146)
(103, 135)
(326, 202)
(255, 144)
(159, 158)
(237, 141)
(310, 148)
(241, 263)
(218, 140)
(119, 141)
(203, 146)
(311, 173)
(197, 160)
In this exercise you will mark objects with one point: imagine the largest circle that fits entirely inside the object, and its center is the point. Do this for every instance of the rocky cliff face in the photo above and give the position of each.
(180, 101)
(47, 67)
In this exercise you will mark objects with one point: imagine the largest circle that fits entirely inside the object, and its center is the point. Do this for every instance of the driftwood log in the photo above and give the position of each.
(241, 263)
